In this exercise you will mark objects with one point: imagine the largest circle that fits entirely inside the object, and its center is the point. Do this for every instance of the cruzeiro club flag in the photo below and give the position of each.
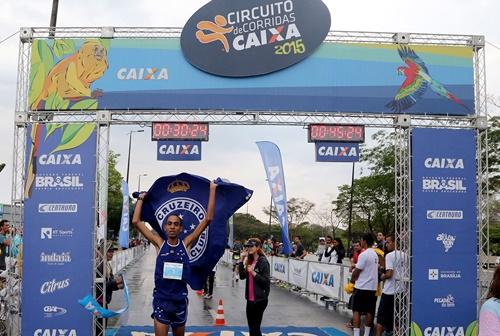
(125, 222)
(271, 158)
(187, 195)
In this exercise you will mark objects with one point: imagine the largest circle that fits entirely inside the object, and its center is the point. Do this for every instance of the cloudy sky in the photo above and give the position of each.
(232, 152)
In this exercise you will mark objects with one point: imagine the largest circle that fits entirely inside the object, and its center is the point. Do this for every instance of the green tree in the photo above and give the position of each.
(298, 209)
(115, 198)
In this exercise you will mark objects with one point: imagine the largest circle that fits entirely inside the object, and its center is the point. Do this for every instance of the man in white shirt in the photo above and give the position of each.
(365, 278)
(385, 315)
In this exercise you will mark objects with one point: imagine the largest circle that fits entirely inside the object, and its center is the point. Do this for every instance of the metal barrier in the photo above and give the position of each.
(315, 277)
(123, 258)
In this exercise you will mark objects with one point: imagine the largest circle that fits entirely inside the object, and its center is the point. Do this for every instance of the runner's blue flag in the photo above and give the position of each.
(187, 195)
(125, 223)
(271, 158)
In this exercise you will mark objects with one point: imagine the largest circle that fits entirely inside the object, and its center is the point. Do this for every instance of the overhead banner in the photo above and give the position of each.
(59, 217)
(337, 152)
(123, 237)
(297, 272)
(178, 150)
(238, 38)
(150, 74)
(271, 157)
(444, 220)
(324, 279)
(280, 268)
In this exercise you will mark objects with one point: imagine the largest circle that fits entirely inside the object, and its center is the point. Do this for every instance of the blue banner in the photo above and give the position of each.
(271, 157)
(178, 151)
(337, 152)
(59, 217)
(125, 221)
(187, 196)
(444, 262)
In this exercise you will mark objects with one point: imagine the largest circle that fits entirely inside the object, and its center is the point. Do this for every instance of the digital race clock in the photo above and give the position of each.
(179, 131)
(334, 132)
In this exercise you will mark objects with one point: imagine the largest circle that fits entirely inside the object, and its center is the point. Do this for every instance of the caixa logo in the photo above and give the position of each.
(323, 278)
(239, 38)
(55, 332)
(53, 286)
(280, 268)
(53, 311)
(444, 331)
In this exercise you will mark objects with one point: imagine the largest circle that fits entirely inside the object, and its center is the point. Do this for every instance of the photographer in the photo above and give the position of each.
(4, 242)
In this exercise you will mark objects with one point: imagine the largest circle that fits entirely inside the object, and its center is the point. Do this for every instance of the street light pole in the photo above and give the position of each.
(53, 17)
(270, 213)
(349, 230)
(129, 147)
(139, 184)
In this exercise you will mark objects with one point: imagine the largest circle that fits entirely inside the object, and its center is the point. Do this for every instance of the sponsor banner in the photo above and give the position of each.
(125, 219)
(58, 222)
(187, 196)
(146, 73)
(325, 279)
(297, 272)
(271, 158)
(237, 38)
(337, 152)
(280, 268)
(178, 151)
(235, 331)
(444, 217)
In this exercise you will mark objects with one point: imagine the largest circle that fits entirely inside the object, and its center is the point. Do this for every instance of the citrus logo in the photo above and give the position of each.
(193, 214)
(142, 74)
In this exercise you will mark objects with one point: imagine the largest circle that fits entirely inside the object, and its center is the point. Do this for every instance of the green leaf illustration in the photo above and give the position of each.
(55, 102)
(74, 135)
(471, 329)
(85, 104)
(51, 128)
(106, 43)
(415, 330)
(41, 63)
(63, 47)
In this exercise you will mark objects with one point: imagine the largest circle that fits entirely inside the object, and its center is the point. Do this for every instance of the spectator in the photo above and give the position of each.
(325, 258)
(385, 315)
(339, 251)
(321, 248)
(267, 247)
(208, 287)
(365, 278)
(356, 248)
(4, 242)
(381, 241)
(17, 240)
(300, 252)
(113, 282)
(489, 316)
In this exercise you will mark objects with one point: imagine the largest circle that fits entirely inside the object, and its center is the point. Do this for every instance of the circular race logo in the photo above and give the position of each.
(191, 213)
(240, 38)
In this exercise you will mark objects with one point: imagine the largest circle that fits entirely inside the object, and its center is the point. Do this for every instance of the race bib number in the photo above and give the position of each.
(172, 271)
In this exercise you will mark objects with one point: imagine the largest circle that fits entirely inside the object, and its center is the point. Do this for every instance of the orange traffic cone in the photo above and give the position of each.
(219, 319)
(199, 292)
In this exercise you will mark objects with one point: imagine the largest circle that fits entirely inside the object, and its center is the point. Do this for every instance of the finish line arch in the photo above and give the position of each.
(404, 124)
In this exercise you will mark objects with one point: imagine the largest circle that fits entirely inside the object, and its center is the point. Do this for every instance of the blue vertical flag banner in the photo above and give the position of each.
(337, 152)
(125, 222)
(444, 262)
(186, 195)
(59, 217)
(271, 157)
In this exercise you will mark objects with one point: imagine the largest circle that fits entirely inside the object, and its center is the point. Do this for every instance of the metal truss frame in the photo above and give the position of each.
(401, 123)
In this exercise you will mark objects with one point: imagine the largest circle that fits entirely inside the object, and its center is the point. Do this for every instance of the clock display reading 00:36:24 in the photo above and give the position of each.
(179, 131)
(335, 132)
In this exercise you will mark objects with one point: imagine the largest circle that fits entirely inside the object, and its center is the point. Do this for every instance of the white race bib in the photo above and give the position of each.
(172, 271)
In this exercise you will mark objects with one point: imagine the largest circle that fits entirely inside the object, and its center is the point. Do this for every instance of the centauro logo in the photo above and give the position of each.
(254, 27)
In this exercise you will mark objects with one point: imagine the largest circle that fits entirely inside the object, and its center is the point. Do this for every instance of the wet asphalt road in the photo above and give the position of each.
(286, 308)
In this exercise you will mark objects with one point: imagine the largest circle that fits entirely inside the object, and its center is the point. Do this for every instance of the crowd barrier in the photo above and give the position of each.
(123, 258)
(315, 277)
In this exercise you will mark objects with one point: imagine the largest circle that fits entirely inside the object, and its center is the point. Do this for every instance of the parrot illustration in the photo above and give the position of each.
(417, 81)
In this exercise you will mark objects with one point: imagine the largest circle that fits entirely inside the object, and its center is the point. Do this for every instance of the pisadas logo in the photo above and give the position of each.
(53, 286)
(53, 311)
(280, 268)
(447, 240)
(58, 182)
(60, 159)
(444, 184)
(57, 259)
(444, 163)
(323, 278)
(55, 332)
(238, 38)
(51, 233)
(445, 302)
(142, 74)
(193, 214)
(445, 214)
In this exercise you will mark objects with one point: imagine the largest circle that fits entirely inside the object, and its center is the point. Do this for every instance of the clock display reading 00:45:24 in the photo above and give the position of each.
(335, 132)
(179, 131)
